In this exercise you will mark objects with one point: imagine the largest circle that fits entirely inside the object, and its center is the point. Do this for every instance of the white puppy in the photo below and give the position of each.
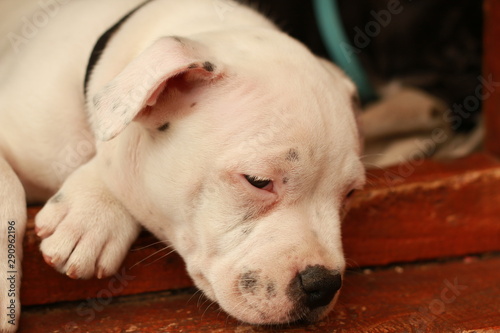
(200, 121)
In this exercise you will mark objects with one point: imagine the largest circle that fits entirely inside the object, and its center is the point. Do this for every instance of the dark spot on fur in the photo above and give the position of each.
(247, 216)
(57, 198)
(285, 180)
(292, 156)
(249, 281)
(119, 108)
(208, 66)
(193, 105)
(164, 127)
(178, 39)
(193, 65)
(263, 316)
(247, 230)
(271, 290)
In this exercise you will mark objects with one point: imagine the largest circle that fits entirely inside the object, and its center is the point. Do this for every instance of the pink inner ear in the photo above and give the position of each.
(154, 96)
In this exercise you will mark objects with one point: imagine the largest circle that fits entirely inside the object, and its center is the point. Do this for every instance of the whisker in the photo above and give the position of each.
(371, 176)
(198, 291)
(206, 299)
(160, 258)
(371, 182)
(145, 247)
(206, 309)
(200, 297)
(226, 322)
(154, 253)
(352, 263)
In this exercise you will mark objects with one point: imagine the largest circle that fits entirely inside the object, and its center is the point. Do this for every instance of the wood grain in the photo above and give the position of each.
(448, 297)
(442, 210)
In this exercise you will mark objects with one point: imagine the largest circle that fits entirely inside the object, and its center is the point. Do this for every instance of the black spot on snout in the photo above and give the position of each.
(292, 155)
(208, 66)
(164, 127)
(271, 290)
(193, 66)
(249, 281)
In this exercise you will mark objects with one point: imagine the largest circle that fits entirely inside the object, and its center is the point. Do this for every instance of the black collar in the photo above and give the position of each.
(101, 45)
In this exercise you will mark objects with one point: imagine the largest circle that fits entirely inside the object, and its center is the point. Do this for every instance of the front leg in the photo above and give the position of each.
(12, 226)
(86, 231)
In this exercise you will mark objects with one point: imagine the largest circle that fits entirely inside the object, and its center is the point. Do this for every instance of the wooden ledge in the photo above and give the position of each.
(458, 296)
(440, 209)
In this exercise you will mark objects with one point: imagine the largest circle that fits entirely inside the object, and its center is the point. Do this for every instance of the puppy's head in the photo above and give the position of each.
(243, 160)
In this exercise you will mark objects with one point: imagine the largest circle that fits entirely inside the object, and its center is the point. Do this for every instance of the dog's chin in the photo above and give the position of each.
(280, 311)
(300, 315)
(297, 315)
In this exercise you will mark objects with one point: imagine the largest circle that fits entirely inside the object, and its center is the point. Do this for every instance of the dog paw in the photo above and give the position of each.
(85, 234)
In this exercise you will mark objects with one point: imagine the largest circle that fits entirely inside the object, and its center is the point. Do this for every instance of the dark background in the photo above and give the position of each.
(434, 45)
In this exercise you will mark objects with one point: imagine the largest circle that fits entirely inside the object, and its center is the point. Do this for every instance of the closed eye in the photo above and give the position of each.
(260, 183)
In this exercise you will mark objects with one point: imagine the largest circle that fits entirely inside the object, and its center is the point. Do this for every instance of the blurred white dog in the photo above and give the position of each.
(197, 119)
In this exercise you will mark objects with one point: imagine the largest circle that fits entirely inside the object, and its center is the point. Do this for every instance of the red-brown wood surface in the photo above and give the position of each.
(449, 297)
(491, 92)
(419, 171)
(439, 210)
(448, 211)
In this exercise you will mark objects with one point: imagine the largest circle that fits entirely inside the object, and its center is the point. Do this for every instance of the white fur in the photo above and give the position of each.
(266, 96)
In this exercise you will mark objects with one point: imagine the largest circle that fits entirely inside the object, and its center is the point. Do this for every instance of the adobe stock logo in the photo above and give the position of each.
(224, 7)
(426, 315)
(31, 25)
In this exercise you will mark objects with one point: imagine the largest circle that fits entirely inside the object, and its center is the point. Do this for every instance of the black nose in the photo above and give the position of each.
(319, 285)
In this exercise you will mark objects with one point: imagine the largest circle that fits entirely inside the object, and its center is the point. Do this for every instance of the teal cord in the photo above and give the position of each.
(338, 47)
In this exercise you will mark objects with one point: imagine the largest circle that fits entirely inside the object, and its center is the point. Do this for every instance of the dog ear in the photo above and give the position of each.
(137, 88)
